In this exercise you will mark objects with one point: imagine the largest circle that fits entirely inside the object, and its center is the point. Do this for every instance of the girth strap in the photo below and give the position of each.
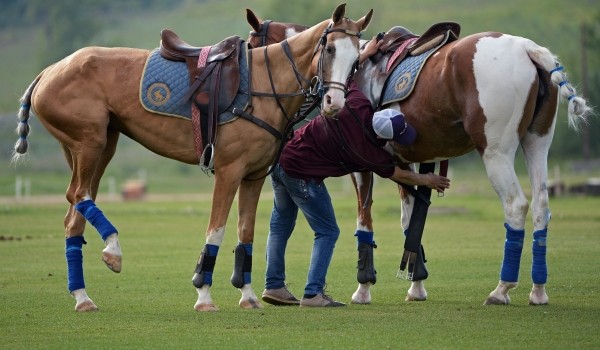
(241, 113)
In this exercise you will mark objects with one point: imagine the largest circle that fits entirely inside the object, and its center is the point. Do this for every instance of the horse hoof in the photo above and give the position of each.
(415, 298)
(538, 300)
(495, 301)
(86, 306)
(359, 298)
(113, 262)
(206, 307)
(538, 296)
(250, 304)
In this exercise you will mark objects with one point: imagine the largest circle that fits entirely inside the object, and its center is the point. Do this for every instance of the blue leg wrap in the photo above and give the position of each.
(74, 262)
(513, 246)
(539, 270)
(364, 237)
(94, 216)
(206, 265)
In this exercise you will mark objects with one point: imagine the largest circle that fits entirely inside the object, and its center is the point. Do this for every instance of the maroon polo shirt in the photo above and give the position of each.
(317, 151)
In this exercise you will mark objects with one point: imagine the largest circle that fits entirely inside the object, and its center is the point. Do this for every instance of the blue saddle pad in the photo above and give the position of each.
(401, 82)
(163, 86)
(165, 83)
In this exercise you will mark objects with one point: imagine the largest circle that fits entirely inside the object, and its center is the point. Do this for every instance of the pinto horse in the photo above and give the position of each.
(89, 98)
(490, 92)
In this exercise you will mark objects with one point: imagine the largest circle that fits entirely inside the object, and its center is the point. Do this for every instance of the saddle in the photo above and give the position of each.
(398, 43)
(214, 73)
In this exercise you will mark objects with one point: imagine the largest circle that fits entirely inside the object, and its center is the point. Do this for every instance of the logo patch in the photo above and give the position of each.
(403, 82)
(158, 94)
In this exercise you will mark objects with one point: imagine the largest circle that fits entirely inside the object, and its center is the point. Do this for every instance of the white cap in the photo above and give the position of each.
(389, 124)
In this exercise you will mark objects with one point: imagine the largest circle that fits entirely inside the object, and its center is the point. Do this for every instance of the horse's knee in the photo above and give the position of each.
(516, 211)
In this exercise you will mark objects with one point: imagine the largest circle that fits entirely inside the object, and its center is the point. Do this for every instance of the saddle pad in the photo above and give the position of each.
(163, 86)
(401, 82)
(165, 83)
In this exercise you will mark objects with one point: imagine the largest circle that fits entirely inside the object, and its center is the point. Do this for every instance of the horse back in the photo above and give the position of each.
(109, 74)
(466, 86)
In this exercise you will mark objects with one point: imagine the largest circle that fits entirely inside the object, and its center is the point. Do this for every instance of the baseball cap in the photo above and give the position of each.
(389, 124)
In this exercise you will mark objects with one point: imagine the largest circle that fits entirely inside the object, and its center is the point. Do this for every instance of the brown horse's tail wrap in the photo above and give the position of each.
(22, 145)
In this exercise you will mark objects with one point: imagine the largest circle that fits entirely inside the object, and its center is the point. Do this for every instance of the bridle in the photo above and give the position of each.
(264, 28)
(317, 85)
(314, 94)
(323, 85)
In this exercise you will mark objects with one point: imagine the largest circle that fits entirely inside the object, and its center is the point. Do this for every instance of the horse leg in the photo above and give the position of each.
(241, 278)
(225, 186)
(366, 274)
(417, 291)
(535, 149)
(84, 186)
(500, 170)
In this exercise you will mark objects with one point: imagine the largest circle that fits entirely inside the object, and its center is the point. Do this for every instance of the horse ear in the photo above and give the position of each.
(253, 20)
(364, 22)
(339, 12)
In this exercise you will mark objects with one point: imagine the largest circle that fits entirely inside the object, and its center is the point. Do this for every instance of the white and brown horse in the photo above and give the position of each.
(489, 92)
(89, 98)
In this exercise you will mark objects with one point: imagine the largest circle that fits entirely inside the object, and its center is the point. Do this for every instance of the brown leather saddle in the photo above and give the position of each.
(214, 78)
(372, 76)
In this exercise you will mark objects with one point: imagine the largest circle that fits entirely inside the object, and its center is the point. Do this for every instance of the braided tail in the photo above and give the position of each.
(23, 128)
(578, 110)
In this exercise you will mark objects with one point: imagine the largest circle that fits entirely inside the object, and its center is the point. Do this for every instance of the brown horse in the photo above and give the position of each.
(489, 92)
(89, 98)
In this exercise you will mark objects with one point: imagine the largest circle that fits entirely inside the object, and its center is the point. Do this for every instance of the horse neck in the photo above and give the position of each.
(282, 74)
(302, 47)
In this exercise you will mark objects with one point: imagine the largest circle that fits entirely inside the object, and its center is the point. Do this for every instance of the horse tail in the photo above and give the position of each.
(578, 109)
(23, 129)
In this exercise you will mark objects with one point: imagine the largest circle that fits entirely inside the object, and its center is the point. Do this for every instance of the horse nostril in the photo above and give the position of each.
(328, 99)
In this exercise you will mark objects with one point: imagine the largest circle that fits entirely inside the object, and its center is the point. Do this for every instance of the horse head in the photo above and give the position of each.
(335, 51)
(339, 50)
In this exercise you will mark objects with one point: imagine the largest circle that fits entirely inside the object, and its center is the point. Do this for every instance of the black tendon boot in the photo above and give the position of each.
(366, 267)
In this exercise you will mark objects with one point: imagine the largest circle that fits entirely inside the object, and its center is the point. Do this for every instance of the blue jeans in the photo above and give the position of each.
(314, 201)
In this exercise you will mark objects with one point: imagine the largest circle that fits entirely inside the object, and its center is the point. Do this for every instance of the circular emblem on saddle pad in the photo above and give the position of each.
(158, 94)
(402, 82)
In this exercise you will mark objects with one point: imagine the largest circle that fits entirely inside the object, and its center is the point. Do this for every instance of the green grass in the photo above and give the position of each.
(150, 304)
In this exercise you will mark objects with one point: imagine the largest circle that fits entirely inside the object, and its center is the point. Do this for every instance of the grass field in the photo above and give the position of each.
(150, 304)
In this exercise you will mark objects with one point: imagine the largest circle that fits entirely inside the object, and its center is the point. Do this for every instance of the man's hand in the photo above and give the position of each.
(370, 49)
(436, 182)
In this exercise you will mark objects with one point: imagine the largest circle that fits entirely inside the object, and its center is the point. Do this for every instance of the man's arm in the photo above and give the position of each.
(369, 50)
(431, 180)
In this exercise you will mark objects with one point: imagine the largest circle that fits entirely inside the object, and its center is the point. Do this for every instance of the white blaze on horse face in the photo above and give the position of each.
(503, 76)
(346, 53)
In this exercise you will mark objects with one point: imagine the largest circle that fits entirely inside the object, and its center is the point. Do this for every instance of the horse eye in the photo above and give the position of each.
(330, 49)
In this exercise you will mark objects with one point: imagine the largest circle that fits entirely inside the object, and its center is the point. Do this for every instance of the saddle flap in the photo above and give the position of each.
(223, 82)
(223, 49)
